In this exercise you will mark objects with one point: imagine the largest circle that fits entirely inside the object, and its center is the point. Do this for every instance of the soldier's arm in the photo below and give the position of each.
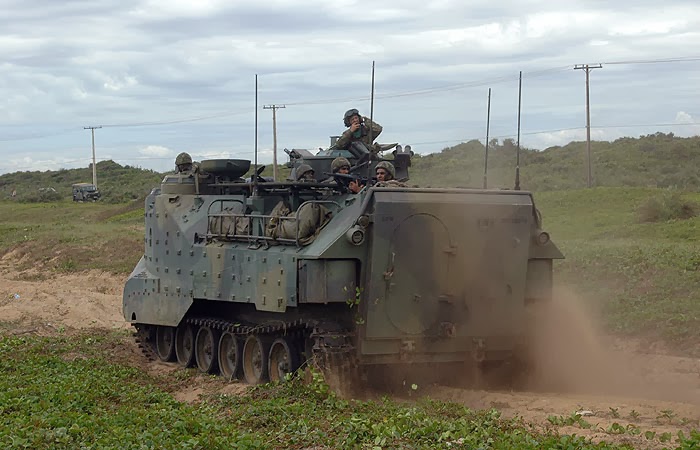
(374, 126)
(344, 140)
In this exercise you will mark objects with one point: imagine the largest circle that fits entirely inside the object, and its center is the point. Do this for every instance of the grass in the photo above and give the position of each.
(643, 277)
(72, 237)
(76, 392)
(65, 392)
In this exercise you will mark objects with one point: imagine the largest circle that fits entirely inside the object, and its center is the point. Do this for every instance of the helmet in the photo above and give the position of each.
(338, 163)
(183, 158)
(389, 167)
(348, 114)
(301, 170)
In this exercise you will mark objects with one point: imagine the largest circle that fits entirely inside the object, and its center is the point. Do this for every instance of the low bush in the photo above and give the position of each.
(669, 205)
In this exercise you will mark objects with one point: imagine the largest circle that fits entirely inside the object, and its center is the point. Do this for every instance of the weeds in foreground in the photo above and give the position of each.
(62, 393)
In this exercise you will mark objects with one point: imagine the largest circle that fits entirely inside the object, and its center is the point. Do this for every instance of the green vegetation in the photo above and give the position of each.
(642, 277)
(71, 237)
(63, 393)
(666, 206)
(658, 160)
(118, 184)
(632, 250)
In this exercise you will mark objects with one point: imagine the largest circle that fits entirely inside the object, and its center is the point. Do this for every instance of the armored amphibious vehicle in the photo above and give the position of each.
(251, 278)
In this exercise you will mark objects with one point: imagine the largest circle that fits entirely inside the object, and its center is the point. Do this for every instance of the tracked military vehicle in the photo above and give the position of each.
(249, 277)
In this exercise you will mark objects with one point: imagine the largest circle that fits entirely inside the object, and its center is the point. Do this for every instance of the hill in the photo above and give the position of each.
(117, 183)
(658, 160)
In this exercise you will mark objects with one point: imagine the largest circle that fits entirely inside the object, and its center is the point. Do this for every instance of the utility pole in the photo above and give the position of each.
(274, 109)
(94, 165)
(588, 69)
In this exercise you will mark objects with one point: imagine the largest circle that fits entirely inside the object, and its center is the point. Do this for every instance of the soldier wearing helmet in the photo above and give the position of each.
(386, 175)
(385, 171)
(341, 165)
(305, 173)
(358, 130)
(183, 163)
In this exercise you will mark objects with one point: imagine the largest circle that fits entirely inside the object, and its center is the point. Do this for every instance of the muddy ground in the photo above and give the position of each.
(608, 381)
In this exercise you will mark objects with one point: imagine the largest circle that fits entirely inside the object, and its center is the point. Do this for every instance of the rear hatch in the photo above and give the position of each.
(447, 270)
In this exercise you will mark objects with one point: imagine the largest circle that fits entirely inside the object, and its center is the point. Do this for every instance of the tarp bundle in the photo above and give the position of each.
(304, 224)
(227, 224)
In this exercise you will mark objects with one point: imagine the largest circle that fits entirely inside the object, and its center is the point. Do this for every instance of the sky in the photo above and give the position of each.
(162, 77)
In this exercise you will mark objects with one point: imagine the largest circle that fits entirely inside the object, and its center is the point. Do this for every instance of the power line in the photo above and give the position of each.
(39, 136)
(175, 121)
(411, 93)
(656, 61)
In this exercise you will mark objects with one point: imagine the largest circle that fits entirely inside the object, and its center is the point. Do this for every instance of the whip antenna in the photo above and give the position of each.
(255, 172)
(371, 120)
(517, 150)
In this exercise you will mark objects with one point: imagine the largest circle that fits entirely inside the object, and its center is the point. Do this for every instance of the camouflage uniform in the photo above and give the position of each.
(362, 135)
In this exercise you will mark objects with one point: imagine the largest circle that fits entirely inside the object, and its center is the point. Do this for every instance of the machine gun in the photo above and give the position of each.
(344, 179)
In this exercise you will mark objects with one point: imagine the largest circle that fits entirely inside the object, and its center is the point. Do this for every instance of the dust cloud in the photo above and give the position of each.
(569, 353)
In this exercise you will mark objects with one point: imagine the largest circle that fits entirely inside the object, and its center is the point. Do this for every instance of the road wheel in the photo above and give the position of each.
(165, 343)
(206, 350)
(283, 359)
(184, 345)
(230, 356)
(255, 358)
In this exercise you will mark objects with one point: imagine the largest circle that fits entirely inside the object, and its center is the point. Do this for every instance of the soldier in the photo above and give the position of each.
(386, 174)
(358, 130)
(305, 173)
(385, 171)
(341, 165)
(184, 164)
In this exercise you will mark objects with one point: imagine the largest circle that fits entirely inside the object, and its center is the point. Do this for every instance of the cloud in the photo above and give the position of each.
(153, 63)
(684, 117)
(157, 151)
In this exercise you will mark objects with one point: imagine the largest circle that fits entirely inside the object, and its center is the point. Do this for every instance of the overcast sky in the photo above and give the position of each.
(162, 77)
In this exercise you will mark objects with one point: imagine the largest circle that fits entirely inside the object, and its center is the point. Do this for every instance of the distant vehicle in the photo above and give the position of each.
(85, 192)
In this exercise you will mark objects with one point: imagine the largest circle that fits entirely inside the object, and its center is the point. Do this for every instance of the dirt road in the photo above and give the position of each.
(621, 390)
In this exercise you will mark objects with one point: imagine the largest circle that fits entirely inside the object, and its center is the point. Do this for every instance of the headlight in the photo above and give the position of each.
(363, 221)
(355, 235)
(542, 238)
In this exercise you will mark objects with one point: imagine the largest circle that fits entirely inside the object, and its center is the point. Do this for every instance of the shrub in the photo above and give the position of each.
(669, 205)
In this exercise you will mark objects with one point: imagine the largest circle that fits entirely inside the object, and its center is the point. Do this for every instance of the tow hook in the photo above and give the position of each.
(448, 330)
(479, 349)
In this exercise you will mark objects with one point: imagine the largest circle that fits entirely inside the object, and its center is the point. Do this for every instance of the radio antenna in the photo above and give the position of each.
(255, 172)
(486, 154)
(517, 150)
(371, 120)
